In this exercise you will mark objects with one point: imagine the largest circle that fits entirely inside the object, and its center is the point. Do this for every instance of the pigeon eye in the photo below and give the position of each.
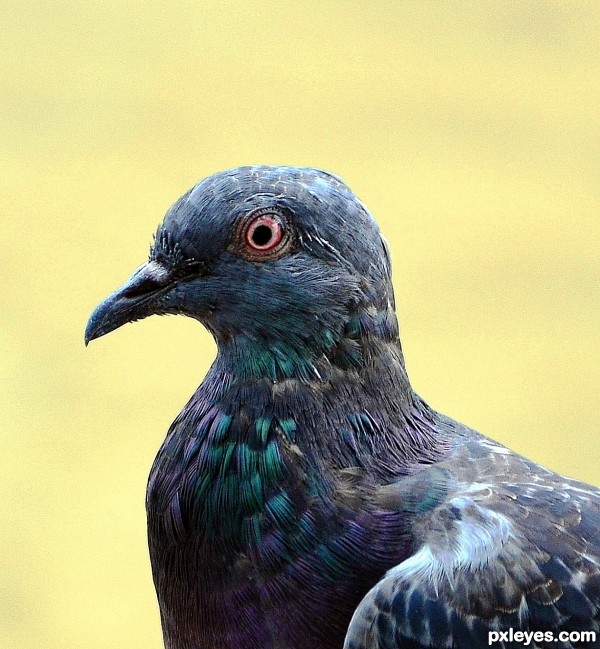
(264, 233)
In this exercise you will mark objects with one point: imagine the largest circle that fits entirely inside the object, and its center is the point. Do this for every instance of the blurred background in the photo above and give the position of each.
(472, 132)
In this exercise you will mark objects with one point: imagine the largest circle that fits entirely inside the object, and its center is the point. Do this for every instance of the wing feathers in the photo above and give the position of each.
(488, 557)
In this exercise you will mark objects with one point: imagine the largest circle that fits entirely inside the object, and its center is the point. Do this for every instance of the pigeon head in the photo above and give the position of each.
(273, 258)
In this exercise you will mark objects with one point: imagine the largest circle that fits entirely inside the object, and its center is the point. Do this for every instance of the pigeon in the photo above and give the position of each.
(306, 497)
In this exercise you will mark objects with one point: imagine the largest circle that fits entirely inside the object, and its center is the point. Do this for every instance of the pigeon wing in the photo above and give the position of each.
(489, 557)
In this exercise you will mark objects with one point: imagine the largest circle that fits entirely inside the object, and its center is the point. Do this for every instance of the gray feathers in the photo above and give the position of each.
(306, 496)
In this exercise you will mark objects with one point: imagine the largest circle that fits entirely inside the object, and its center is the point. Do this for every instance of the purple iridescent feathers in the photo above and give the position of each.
(306, 496)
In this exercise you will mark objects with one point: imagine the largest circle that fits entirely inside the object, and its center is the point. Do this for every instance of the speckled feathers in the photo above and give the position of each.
(306, 496)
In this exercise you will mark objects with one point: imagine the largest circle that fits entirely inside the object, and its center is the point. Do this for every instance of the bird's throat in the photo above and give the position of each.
(320, 350)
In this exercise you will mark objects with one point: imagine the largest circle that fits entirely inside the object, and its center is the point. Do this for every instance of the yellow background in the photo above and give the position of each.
(470, 129)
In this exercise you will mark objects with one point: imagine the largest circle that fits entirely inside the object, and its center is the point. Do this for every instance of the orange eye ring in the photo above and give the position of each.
(264, 233)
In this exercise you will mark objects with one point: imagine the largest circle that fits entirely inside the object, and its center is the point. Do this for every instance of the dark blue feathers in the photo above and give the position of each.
(306, 496)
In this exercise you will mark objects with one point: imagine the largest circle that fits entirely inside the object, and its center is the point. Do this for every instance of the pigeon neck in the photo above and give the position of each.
(321, 350)
(358, 392)
(356, 388)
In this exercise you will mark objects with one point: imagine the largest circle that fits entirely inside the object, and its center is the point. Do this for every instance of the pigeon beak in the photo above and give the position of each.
(136, 299)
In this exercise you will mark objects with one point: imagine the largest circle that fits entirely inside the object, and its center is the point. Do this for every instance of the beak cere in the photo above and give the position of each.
(139, 297)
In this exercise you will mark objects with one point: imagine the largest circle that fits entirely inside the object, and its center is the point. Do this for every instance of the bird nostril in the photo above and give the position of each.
(148, 285)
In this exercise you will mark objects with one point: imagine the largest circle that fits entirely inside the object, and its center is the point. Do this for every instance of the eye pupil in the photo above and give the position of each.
(261, 235)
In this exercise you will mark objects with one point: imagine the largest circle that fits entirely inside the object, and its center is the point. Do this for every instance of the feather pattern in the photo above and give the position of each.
(518, 549)
(306, 496)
